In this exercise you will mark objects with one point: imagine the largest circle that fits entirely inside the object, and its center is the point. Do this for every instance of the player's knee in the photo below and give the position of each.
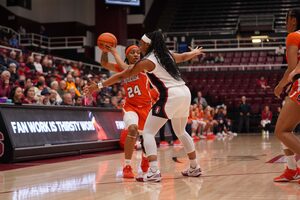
(281, 132)
(133, 130)
(180, 133)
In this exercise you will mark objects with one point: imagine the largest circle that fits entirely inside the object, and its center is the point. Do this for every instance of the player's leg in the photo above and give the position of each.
(143, 114)
(152, 125)
(131, 121)
(291, 172)
(287, 121)
(187, 141)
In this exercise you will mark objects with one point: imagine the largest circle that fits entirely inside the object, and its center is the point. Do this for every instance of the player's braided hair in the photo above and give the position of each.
(163, 55)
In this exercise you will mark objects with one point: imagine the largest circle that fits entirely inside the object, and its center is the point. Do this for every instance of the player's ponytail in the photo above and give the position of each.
(295, 12)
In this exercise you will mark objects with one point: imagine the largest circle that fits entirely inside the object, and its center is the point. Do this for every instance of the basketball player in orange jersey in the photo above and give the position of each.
(289, 116)
(173, 103)
(138, 102)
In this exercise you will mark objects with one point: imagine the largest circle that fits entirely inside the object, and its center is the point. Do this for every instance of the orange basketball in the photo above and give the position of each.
(106, 39)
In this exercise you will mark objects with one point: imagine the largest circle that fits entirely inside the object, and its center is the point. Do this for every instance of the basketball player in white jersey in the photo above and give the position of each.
(173, 103)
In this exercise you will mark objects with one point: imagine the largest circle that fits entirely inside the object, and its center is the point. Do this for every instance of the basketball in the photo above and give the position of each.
(106, 39)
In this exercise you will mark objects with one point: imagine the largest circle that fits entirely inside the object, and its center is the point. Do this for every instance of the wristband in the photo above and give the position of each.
(100, 85)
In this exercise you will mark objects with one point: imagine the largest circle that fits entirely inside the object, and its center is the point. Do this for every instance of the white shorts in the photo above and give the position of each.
(175, 105)
(130, 118)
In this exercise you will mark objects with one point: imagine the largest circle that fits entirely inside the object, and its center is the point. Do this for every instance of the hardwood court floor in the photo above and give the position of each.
(233, 169)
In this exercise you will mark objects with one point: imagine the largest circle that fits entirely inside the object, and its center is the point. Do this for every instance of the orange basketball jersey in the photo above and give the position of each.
(137, 88)
(293, 39)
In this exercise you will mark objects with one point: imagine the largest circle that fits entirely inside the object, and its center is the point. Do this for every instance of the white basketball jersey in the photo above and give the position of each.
(159, 77)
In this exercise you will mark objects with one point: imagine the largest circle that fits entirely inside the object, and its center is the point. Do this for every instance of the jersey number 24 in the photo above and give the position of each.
(132, 91)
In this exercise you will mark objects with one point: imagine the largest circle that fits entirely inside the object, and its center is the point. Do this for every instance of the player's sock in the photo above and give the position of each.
(291, 162)
(127, 162)
(193, 163)
(153, 166)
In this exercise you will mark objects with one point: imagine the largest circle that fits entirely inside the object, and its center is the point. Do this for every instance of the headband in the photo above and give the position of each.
(130, 48)
(146, 39)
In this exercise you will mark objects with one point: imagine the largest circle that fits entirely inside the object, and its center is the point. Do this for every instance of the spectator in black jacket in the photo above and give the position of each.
(244, 111)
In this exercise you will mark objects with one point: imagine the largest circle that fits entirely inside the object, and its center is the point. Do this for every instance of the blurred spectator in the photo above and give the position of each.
(3, 59)
(13, 41)
(193, 121)
(266, 119)
(21, 81)
(79, 84)
(106, 103)
(262, 82)
(12, 68)
(219, 58)
(200, 100)
(29, 95)
(114, 102)
(210, 122)
(78, 101)
(221, 121)
(13, 58)
(69, 67)
(72, 92)
(28, 83)
(81, 68)
(62, 88)
(53, 98)
(54, 88)
(16, 95)
(62, 69)
(114, 90)
(71, 84)
(67, 100)
(37, 64)
(48, 68)
(209, 59)
(24, 70)
(76, 70)
(279, 51)
(42, 80)
(30, 63)
(38, 89)
(45, 97)
(120, 94)
(244, 110)
(22, 30)
(5, 85)
(200, 120)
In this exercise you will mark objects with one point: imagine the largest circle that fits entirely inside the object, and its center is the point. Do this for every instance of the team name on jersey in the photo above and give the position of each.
(131, 79)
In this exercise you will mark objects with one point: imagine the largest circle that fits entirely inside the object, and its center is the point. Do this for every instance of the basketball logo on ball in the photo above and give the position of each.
(106, 39)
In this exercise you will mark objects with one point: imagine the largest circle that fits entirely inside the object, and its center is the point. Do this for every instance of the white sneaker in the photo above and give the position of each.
(150, 176)
(192, 172)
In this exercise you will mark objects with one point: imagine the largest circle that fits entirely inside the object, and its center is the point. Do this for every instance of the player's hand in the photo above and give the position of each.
(198, 50)
(110, 49)
(292, 74)
(90, 89)
(278, 90)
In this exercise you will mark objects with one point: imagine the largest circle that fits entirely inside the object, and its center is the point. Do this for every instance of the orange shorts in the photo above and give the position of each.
(135, 115)
(295, 91)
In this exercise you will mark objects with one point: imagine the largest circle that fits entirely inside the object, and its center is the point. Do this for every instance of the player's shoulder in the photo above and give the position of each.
(294, 35)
